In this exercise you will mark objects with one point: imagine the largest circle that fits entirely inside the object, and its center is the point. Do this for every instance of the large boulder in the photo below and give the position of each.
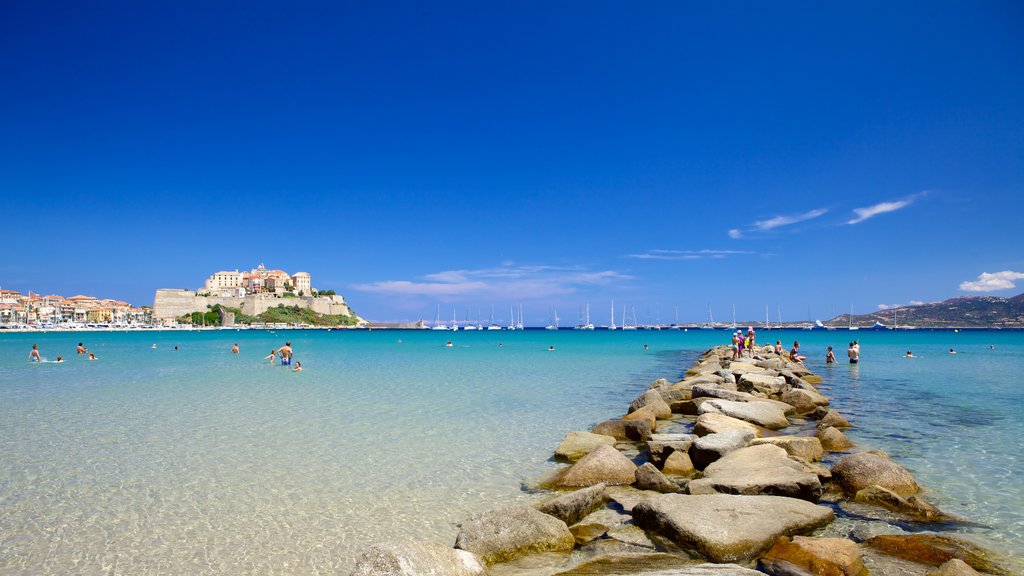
(651, 564)
(727, 377)
(954, 567)
(653, 400)
(660, 446)
(604, 465)
(818, 556)
(807, 447)
(576, 445)
(773, 386)
(574, 506)
(912, 506)
(935, 550)
(648, 477)
(754, 470)
(717, 391)
(833, 419)
(417, 558)
(833, 440)
(760, 413)
(855, 472)
(645, 414)
(728, 528)
(707, 449)
(625, 430)
(678, 464)
(803, 401)
(713, 423)
(509, 533)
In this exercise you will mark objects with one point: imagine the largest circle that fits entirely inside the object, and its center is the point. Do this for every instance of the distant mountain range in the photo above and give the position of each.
(964, 312)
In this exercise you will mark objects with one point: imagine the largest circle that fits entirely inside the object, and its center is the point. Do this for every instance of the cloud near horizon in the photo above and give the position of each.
(687, 254)
(991, 281)
(777, 222)
(503, 282)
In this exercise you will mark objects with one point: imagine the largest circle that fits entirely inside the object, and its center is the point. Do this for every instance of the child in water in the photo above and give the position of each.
(298, 367)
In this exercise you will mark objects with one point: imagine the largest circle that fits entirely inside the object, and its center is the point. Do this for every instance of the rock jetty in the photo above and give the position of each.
(717, 474)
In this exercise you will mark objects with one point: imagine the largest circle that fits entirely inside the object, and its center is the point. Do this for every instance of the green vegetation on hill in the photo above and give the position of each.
(279, 314)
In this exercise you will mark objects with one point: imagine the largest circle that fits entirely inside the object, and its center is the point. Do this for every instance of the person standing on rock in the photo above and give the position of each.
(751, 340)
(736, 345)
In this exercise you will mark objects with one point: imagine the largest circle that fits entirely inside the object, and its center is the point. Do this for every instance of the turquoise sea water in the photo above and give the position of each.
(200, 461)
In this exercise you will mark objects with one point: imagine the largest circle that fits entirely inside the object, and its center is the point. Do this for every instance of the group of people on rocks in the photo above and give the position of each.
(745, 345)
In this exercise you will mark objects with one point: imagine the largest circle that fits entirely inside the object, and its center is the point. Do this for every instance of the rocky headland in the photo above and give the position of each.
(720, 473)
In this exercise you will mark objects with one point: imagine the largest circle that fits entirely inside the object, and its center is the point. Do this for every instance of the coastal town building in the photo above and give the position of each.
(259, 280)
(54, 310)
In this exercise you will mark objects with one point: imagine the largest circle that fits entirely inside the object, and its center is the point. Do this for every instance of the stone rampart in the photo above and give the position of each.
(172, 303)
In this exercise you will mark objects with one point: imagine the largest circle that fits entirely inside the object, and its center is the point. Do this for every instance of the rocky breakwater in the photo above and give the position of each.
(719, 473)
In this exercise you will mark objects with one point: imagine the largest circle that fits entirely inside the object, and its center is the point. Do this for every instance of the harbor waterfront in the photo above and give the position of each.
(201, 461)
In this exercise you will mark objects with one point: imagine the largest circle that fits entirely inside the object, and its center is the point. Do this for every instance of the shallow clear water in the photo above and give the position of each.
(202, 461)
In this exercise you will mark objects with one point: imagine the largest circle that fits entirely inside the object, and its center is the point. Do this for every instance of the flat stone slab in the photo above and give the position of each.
(807, 447)
(763, 469)
(576, 445)
(415, 558)
(714, 423)
(709, 448)
(509, 533)
(728, 528)
(760, 413)
(574, 506)
(660, 446)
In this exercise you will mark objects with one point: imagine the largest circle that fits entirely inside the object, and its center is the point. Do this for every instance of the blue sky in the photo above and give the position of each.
(662, 154)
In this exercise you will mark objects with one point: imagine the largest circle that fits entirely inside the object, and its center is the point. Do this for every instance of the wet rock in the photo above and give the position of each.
(760, 413)
(627, 496)
(513, 532)
(643, 414)
(417, 558)
(623, 430)
(833, 440)
(648, 477)
(574, 506)
(585, 532)
(623, 563)
(714, 423)
(754, 470)
(678, 464)
(604, 465)
(818, 556)
(807, 447)
(715, 391)
(630, 534)
(576, 445)
(772, 386)
(660, 446)
(707, 449)
(935, 550)
(954, 567)
(727, 528)
(803, 401)
(688, 407)
(652, 399)
(912, 506)
(834, 419)
(855, 472)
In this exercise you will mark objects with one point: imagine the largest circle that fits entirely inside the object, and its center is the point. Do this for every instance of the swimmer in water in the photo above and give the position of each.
(60, 359)
(80, 349)
(153, 346)
(34, 354)
(92, 356)
(830, 357)
(951, 351)
(234, 349)
(448, 344)
(298, 367)
(910, 354)
(645, 347)
(551, 348)
(271, 356)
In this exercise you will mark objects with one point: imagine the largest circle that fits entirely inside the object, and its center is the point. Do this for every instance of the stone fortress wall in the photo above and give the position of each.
(170, 303)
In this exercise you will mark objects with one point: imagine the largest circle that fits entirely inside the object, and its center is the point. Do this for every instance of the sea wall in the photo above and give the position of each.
(740, 468)
(171, 303)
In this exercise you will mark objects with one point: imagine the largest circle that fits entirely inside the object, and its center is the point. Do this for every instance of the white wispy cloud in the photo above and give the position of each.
(777, 221)
(687, 254)
(887, 306)
(504, 282)
(916, 303)
(991, 281)
(883, 208)
(774, 222)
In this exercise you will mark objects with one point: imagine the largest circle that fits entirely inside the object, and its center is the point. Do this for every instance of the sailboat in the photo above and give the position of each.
(511, 317)
(455, 323)
(733, 316)
(852, 327)
(437, 320)
(491, 325)
(586, 325)
(767, 324)
(555, 325)
(711, 320)
(519, 325)
(677, 326)
(612, 325)
(625, 325)
(469, 325)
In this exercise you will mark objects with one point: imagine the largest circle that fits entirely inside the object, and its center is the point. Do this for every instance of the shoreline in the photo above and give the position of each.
(645, 492)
